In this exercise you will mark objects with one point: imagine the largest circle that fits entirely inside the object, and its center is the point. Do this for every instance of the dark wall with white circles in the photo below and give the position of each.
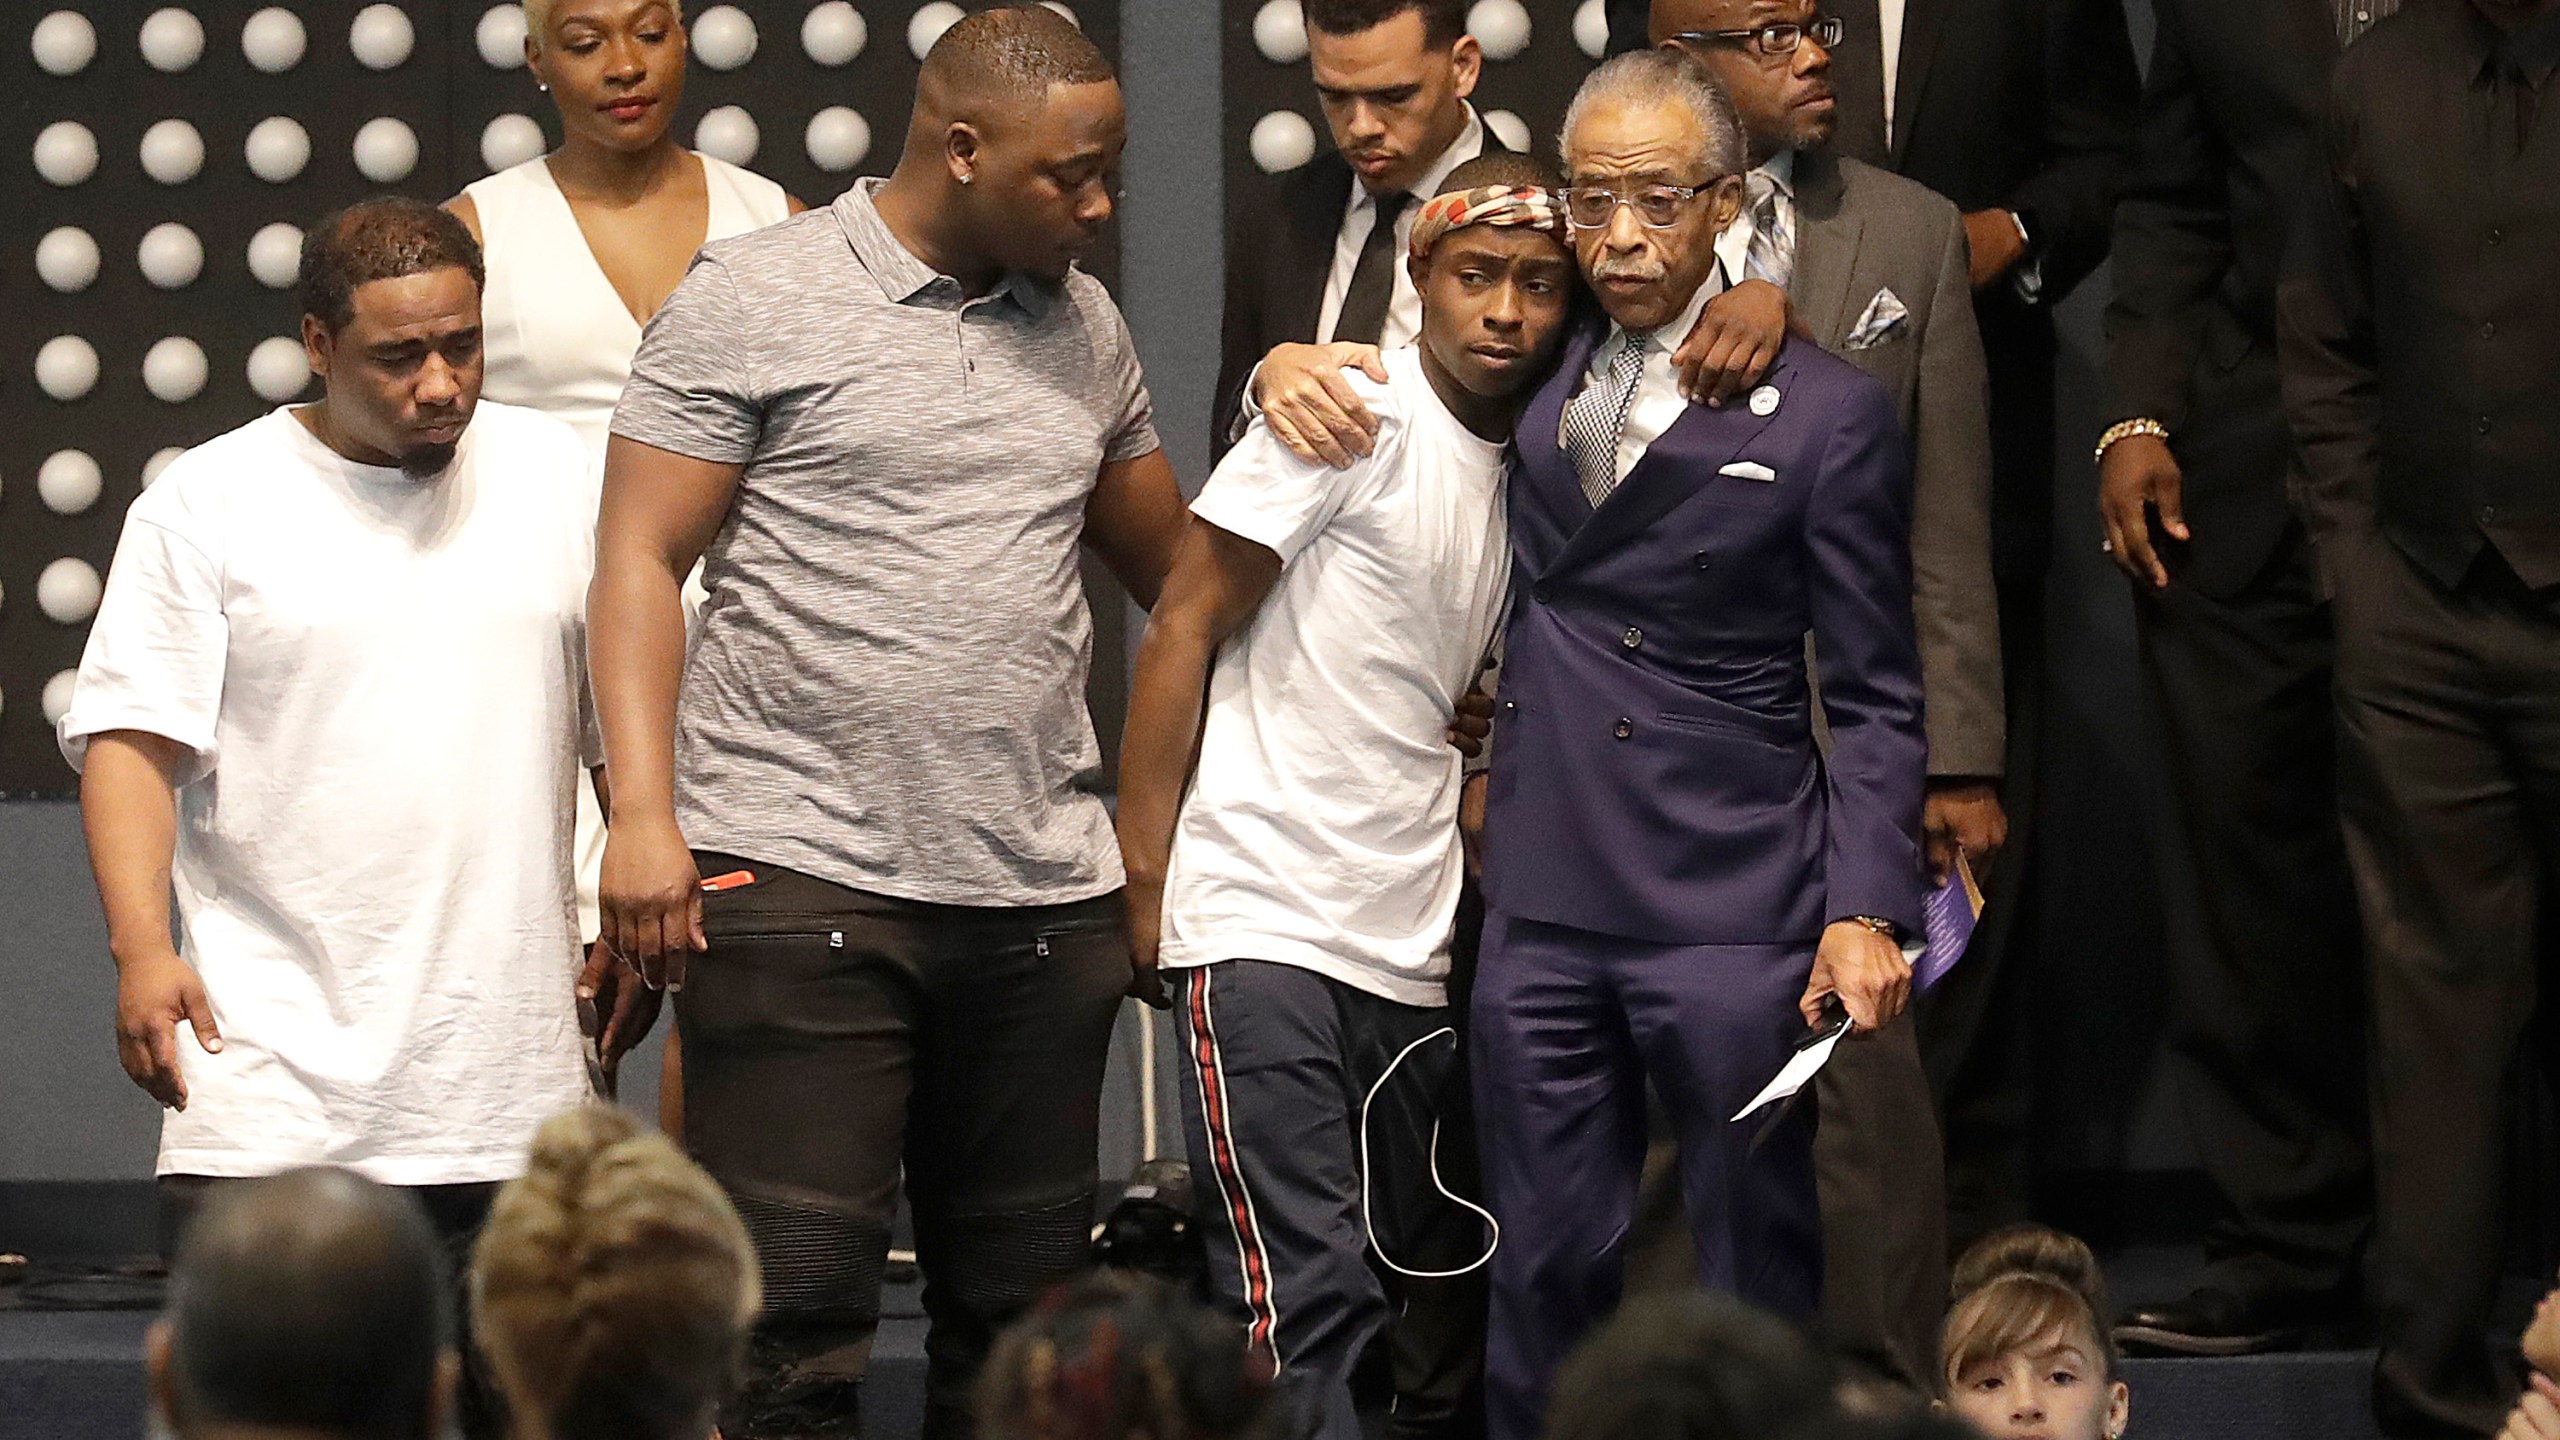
(162, 159)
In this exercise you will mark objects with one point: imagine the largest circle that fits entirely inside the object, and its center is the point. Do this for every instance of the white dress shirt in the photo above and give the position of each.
(1360, 216)
(1889, 30)
(1658, 404)
(1733, 247)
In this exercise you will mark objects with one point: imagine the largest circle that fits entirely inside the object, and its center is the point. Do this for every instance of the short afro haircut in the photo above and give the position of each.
(379, 239)
(1443, 21)
(1508, 168)
(1013, 52)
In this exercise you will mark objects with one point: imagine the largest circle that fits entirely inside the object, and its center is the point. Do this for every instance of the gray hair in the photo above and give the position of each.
(1663, 77)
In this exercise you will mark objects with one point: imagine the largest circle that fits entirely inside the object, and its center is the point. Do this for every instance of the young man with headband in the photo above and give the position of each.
(1306, 885)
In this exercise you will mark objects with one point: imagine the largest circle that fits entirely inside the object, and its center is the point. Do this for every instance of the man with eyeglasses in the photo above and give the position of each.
(1875, 268)
(1677, 885)
(2021, 112)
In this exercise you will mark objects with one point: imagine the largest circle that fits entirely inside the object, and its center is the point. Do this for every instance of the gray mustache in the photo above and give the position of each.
(1642, 272)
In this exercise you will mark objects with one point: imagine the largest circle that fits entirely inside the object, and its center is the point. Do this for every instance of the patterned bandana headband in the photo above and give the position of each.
(1529, 205)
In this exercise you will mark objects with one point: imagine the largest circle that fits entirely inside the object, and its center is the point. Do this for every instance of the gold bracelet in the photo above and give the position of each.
(2126, 430)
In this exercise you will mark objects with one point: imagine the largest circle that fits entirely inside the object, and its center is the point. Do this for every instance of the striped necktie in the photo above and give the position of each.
(1773, 232)
(1597, 418)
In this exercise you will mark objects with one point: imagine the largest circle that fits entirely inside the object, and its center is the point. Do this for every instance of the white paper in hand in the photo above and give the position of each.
(1799, 1071)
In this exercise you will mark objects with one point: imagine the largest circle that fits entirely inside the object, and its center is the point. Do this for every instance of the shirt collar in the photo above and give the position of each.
(1667, 338)
(2534, 47)
(902, 277)
(1468, 145)
(1781, 169)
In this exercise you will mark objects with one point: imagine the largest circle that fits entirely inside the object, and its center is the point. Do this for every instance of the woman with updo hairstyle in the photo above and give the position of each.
(1120, 1356)
(582, 247)
(2026, 1350)
(613, 1287)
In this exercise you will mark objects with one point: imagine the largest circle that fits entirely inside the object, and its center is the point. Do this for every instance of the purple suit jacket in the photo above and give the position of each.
(1655, 775)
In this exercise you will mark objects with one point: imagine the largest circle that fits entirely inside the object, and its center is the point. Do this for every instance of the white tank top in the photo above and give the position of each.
(557, 336)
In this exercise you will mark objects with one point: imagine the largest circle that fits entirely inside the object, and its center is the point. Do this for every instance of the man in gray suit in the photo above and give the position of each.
(1874, 267)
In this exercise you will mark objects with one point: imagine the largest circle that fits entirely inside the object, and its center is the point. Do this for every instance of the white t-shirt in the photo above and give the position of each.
(1321, 827)
(383, 680)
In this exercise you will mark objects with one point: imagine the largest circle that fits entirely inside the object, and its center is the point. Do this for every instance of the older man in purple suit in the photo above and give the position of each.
(1679, 884)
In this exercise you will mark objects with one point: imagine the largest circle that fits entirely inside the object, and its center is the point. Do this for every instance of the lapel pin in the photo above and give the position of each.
(1764, 401)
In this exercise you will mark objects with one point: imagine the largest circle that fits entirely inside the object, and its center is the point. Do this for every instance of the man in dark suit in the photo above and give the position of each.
(2021, 112)
(2266, 985)
(1875, 269)
(2421, 357)
(1309, 262)
(1676, 883)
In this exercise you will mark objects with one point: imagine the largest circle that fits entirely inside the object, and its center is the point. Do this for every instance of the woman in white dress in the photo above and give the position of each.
(584, 244)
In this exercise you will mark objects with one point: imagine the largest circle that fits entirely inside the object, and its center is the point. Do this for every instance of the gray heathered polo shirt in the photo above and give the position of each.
(886, 689)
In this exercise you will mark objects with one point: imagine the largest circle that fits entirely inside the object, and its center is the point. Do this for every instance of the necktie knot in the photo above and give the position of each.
(1371, 293)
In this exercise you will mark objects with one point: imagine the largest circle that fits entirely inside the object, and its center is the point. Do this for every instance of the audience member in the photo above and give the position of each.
(314, 1304)
(1694, 1365)
(2026, 1352)
(2537, 1412)
(613, 1286)
(1116, 1356)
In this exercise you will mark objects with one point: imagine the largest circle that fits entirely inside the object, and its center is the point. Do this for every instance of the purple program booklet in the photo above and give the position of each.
(1948, 914)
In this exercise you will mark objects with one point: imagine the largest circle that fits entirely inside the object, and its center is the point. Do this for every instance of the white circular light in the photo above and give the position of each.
(1280, 32)
(174, 370)
(67, 260)
(67, 367)
(929, 23)
(723, 37)
(386, 150)
(1064, 11)
(1512, 130)
(510, 140)
(274, 40)
(1591, 28)
(727, 133)
(1500, 26)
(279, 369)
(275, 255)
(67, 592)
(64, 43)
(278, 148)
(838, 139)
(158, 463)
(500, 37)
(172, 152)
(172, 40)
(381, 37)
(69, 481)
(57, 695)
(1282, 140)
(834, 33)
(171, 256)
(66, 153)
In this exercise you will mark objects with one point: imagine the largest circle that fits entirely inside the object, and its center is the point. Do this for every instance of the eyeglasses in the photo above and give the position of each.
(1592, 207)
(1776, 40)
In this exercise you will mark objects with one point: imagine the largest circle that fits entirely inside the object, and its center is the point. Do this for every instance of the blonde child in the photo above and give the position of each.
(2025, 1352)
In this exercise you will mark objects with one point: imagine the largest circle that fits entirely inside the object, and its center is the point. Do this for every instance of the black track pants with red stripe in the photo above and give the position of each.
(1279, 1065)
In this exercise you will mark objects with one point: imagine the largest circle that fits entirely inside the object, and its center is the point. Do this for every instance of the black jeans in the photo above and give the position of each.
(456, 1211)
(832, 1037)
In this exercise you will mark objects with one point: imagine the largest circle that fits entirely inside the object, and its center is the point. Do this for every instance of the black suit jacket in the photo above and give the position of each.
(1280, 243)
(2228, 156)
(2024, 105)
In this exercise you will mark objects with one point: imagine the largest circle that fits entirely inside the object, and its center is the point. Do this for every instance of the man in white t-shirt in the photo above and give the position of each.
(335, 697)
(1305, 887)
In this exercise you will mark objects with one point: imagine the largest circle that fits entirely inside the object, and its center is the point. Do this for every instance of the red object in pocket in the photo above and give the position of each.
(734, 880)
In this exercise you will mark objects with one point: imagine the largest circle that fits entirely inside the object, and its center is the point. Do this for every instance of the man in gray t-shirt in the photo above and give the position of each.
(870, 806)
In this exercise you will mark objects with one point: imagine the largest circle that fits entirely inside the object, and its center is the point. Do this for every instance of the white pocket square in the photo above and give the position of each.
(1885, 315)
(1748, 470)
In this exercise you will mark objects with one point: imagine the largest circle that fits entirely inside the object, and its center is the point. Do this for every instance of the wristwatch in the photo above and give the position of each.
(1878, 924)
